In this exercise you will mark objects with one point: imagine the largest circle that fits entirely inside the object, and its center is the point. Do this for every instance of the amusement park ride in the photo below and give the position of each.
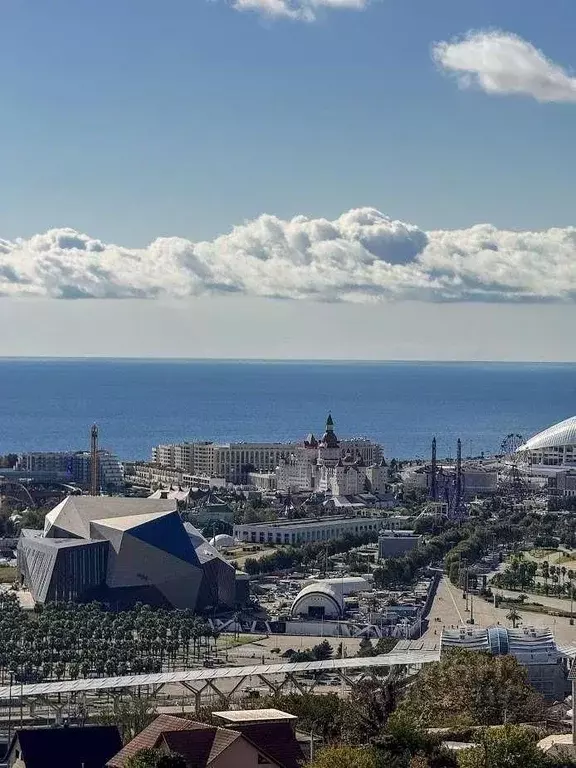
(513, 482)
(447, 487)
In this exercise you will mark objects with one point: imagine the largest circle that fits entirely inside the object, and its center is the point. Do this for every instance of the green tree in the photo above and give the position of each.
(471, 688)
(320, 713)
(365, 648)
(155, 758)
(347, 757)
(545, 568)
(131, 716)
(510, 746)
(366, 712)
(513, 616)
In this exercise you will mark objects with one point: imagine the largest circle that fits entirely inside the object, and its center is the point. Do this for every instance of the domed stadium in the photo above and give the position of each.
(555, 446)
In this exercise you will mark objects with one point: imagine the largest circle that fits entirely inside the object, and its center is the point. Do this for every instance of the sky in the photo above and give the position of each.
(388, 179)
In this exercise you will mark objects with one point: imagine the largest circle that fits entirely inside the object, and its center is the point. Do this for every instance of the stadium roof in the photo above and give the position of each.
(406, 658)
(563, 433)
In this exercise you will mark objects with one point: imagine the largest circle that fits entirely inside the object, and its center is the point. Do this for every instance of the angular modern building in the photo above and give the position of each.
(218, 585)
(119, 551)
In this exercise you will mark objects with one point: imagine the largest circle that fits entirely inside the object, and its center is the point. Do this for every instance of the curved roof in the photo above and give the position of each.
(343, 585)
(318, 589)
(222, 540)
(563, 433)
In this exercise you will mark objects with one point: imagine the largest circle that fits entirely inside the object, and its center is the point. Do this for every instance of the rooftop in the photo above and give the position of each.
(254, 716)
(313, 521)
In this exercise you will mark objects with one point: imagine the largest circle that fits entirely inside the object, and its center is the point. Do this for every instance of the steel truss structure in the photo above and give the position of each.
(71, 695)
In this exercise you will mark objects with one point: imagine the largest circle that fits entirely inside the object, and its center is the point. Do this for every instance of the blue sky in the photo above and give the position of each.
(131, 119)
(156, 152)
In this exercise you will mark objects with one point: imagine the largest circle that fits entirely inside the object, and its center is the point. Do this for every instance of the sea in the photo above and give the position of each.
(50, 404)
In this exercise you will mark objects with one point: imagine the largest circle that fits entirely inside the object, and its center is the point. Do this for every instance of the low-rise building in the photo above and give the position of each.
(251, 739)
(263, 481)
(396, 543)
(562, 483)
(307, 530)
(76, 746)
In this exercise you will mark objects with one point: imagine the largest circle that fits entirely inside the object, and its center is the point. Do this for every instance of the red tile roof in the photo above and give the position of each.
(277, 740)
(149, 737)
(201, 744)
(201, 747)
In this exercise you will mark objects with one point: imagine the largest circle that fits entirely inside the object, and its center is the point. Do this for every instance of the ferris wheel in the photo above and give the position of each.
(509, 447)
(512, 480)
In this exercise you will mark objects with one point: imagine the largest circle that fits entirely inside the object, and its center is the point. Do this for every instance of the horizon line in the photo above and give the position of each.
(289, 360)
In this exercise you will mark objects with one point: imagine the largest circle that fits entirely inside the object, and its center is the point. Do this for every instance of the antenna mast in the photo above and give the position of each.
(94, 485)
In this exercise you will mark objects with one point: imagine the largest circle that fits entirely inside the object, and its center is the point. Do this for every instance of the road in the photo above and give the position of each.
(450, 609)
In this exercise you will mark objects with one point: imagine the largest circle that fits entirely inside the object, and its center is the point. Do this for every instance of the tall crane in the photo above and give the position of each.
(94, 462)
(434, 474)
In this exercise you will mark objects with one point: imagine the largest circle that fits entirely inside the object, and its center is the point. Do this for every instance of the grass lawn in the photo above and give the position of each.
(228, 641)
(8, 574)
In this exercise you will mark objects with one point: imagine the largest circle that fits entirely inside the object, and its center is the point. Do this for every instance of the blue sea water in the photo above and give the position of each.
(50, 404)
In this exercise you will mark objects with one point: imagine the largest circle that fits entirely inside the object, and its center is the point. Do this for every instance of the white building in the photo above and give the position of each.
(231, 461)
(337, 467)
(308, 529)
(555, 446)
(318, 601)
(293, 462)
(263, 481)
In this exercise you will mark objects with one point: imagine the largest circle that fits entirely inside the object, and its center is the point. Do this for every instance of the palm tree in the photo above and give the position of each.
(514, 617)
(545, 574)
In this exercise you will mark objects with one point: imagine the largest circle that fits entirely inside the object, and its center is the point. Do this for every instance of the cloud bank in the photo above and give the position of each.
(503, 64)
(362, 256)
(298, 10)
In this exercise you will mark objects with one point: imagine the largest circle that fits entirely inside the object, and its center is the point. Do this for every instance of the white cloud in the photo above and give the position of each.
(299, 10)
(502, 63)
(362, 256)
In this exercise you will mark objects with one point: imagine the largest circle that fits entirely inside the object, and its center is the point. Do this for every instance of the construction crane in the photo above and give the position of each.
(94, 462)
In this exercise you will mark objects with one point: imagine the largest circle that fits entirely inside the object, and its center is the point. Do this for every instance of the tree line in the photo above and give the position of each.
(70, 640)
(312, 553)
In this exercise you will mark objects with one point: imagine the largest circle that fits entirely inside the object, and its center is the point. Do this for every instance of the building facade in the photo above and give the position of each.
(553, 447)
(307, 530)
(397, 543)
(121, 551)
(76, 467)
(333, 466)
(292, 462)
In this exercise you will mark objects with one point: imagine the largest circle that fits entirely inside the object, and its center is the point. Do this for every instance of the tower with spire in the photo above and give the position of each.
(329, 451)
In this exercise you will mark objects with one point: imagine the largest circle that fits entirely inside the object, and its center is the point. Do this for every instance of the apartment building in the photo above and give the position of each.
(231, 461)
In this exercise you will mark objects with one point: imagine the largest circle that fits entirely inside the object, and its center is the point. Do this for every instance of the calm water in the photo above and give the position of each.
(49, 405)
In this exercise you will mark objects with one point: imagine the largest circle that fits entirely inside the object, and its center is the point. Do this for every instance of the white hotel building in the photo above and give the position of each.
(233, 461)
